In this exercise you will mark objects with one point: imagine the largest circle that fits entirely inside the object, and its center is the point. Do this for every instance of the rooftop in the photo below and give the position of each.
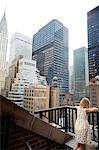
(21, 130)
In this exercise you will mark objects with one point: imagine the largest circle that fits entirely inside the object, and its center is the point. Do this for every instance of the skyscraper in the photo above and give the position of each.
(27, 74)
(3, 50)
(71, 79)
(50, 49)
(80, 72)
(93, 42)
(20, 45)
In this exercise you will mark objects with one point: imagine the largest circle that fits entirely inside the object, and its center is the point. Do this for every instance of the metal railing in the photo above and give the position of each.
(65, 117)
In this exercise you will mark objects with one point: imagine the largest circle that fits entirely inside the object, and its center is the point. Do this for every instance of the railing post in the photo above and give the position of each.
(55, 116)
(98, 128)
(76, 113)
(49, 116)
(58, 116)
(75, 117)
(93, 126)
(69, 117)
(66, 119)
(40, 115)
(72, 121)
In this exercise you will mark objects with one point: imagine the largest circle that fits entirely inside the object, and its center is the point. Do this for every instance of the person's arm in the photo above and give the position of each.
(93, 109)
(77, 107)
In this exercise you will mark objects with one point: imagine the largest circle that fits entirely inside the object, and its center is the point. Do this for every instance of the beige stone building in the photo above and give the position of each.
(54, 97)
(36, 97)
(68, 99)
(94, 91)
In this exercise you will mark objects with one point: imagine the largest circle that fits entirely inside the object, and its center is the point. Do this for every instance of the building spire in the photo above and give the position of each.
(5, 10)
(3, 24)
(4, 14)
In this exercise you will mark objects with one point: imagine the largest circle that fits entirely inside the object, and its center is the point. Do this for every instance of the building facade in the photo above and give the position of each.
(50, 49)
(93, 42)
(3, 50)
(27, 74)
(94, 91)
(54, 97)
(71, 79)
(68, 100)
(9, 80)
(20, 45)
(80, 72)
(36, 97)
(54, 93)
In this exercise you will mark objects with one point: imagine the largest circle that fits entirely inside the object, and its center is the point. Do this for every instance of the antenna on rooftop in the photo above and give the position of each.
(5, 8)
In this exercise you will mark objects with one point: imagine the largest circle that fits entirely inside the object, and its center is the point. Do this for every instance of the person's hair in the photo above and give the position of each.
(85, 103)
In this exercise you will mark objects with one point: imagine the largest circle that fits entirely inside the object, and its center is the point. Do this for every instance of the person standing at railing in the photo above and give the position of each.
(82, 127)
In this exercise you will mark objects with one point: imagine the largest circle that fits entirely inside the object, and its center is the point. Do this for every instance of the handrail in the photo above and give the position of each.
(65, 117)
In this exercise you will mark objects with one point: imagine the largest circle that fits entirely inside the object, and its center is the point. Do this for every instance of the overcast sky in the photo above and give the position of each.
(28, 16)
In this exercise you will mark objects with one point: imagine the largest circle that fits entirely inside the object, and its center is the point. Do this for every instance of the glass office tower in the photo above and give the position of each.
(80, 72)
(50, 49)
(93, 42)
